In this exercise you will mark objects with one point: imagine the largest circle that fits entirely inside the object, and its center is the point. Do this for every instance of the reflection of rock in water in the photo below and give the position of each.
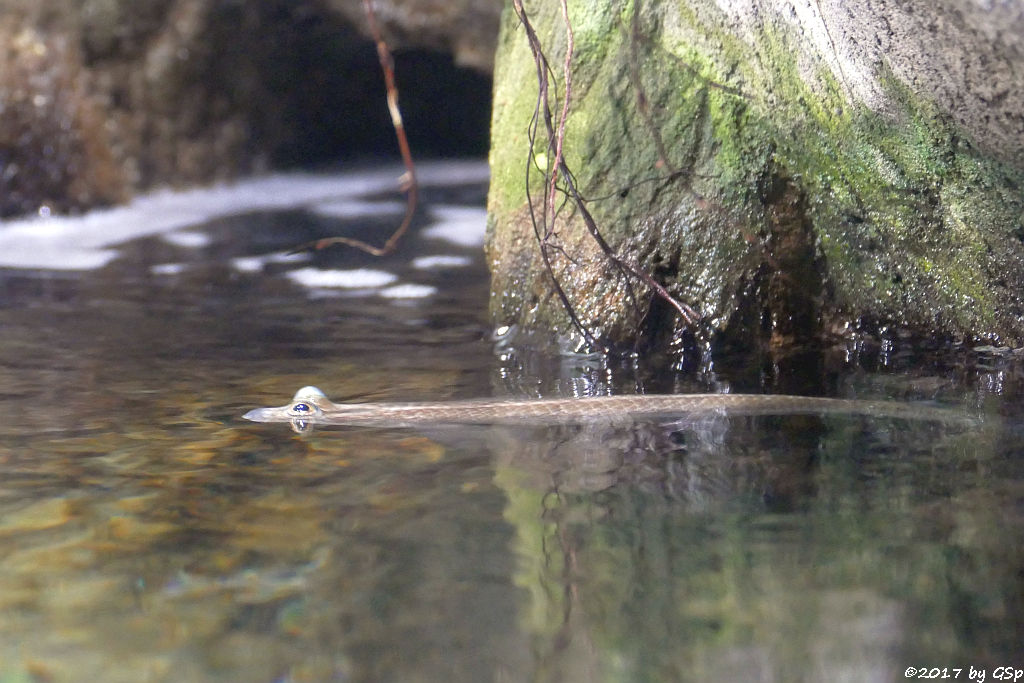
(659, 548)
(699, 461)
(705, 461)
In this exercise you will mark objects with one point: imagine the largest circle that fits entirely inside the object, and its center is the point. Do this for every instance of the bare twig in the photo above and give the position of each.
(408, 179)
(541, 229)
(687, 313)
(559, 179)
(567, 80)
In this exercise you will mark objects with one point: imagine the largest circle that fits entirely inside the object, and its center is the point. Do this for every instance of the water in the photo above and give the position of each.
(147, 533)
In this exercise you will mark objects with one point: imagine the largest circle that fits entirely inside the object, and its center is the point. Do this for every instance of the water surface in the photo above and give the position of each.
(147, 533)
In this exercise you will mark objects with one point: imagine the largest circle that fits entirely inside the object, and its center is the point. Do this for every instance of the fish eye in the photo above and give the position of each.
(304, 408)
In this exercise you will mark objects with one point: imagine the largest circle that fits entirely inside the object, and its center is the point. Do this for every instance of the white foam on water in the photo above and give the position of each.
(408, 291)
(188, 239)
(358, 278)
(440, 261)
(357, 209)
(88, 241)
(460, 225)
(248, 264)
(286, 257)
(168, 268)
(254, 264)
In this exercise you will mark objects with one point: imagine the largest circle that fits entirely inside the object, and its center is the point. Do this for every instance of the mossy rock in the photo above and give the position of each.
(770, 171)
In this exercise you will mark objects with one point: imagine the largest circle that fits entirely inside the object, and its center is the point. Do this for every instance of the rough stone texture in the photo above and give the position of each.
(973, 70)
(54, 148)
(100, 98)
(465, 28)
(843, 166)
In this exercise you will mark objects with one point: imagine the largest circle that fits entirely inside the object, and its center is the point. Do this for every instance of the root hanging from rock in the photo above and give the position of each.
(560, 182)
(407, 180)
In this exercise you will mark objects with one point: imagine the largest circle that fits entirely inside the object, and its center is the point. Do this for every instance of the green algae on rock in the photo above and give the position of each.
(829, 177)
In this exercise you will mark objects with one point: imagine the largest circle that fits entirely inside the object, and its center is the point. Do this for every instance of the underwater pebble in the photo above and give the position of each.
(42, 515)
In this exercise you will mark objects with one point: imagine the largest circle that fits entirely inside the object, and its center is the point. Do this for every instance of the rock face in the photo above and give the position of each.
(792, 170)
(467, 29)
(103, 97)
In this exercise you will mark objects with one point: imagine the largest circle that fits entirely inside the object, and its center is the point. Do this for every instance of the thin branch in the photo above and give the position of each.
(541, 230)
(560, 134)
(558, 179)
(687, 313)
(407, 181)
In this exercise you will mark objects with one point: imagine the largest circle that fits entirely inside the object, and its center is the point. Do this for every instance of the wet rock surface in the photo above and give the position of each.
(792, 171)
